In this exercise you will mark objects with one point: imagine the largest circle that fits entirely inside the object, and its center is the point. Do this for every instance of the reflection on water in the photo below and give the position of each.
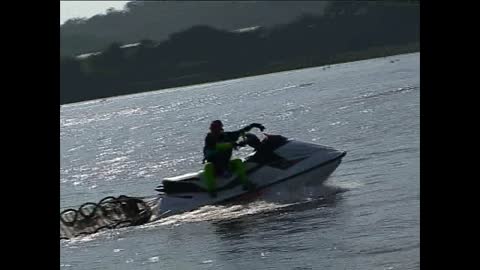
(280, 220)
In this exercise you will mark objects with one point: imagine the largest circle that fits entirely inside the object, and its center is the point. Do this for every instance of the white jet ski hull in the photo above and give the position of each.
(313, 169)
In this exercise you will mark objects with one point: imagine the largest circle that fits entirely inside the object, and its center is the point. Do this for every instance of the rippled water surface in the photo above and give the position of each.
(366, 216)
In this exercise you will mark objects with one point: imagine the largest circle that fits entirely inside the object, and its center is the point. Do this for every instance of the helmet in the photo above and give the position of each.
(216, 126)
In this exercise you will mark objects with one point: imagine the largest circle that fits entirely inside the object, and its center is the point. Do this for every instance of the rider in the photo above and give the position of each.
(218, 151)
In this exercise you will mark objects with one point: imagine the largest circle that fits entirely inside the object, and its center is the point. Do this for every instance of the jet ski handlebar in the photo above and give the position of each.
(250, 140)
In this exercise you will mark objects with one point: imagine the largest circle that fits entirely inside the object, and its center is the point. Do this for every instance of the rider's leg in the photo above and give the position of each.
(239, 168)
(209, 175)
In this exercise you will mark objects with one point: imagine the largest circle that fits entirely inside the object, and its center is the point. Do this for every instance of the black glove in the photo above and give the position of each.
(256, 125)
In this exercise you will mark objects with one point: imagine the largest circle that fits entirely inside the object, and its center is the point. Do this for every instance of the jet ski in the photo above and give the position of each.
(275, 161)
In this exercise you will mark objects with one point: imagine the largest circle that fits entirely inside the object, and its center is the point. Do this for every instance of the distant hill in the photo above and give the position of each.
(156, 20)
(347, 31)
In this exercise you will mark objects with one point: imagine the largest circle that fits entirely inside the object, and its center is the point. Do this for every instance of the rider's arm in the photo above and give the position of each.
(234, 135)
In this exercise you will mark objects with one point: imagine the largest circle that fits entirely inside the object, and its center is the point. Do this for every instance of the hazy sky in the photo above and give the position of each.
(72, 9)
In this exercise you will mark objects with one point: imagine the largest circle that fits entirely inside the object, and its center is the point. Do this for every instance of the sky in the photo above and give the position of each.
(73, 9)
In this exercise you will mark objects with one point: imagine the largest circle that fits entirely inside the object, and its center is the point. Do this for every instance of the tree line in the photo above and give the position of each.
(346, 31)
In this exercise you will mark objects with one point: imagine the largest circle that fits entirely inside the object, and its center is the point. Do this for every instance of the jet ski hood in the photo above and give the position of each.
(291, 152)
(296, 150)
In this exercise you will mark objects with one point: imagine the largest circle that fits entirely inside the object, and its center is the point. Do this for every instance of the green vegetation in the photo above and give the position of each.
(347, 31)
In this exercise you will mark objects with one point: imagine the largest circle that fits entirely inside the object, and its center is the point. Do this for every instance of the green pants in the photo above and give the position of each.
(236, 166)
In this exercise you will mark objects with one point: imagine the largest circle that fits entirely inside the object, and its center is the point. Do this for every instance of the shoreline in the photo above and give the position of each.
(287, 66)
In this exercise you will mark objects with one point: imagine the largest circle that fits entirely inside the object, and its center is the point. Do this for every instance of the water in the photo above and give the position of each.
(365, 217)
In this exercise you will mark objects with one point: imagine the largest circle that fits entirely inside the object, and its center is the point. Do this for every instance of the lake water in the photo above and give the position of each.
(367, 213)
